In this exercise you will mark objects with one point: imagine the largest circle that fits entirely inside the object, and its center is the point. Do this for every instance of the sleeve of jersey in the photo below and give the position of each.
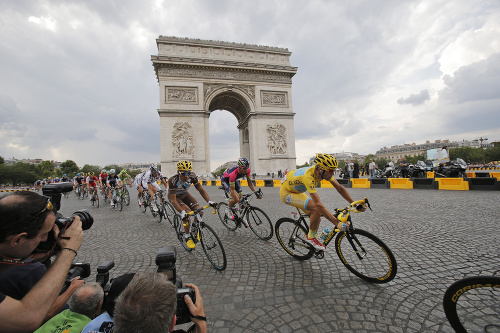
(248, 173)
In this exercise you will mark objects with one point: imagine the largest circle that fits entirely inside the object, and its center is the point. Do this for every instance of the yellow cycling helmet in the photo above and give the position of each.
(326, 161)
(184, 166)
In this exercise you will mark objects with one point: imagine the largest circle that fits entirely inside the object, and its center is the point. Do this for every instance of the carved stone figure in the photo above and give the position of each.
(182, 140)
(276, 139)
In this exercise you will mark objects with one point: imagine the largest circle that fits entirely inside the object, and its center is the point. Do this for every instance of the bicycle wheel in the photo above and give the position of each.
(223, 213)
(126, 197)
(168, 212)
(157, 215)
(212, 247)
(260, 223)
(92, 200)
(291, 237)
(179, 231)
(366, 256)
(96, 199)
(119, 202)
(144, 204)
(473, 304)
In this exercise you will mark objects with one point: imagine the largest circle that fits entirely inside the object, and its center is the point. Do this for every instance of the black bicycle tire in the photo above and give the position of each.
(96, 198)
(393, 266)
(169, 212)
(204, 229)
(251, 222)
(179, 231)
(119, 202)
(144, 205)
(126, 197)
(226, 221)
(459, 288)
(286, 223)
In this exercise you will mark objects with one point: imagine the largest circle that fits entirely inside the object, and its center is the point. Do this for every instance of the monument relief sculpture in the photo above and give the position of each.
(276, 139)
(182, 140)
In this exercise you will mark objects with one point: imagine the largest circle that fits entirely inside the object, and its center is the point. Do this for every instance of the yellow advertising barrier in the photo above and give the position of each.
(430, 174)
(217, 183)
(403, 183)
(326, 183)
(470, 174)
(360, 182)
(277, 183)
(244, 182)
(209, 183)
(494, 175)
(457, 184)
(260, 183)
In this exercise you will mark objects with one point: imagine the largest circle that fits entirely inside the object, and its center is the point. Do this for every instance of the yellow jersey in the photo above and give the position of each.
(301, 180)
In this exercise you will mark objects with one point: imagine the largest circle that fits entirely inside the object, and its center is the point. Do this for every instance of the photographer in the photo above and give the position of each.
(26, 219)
(149, 303)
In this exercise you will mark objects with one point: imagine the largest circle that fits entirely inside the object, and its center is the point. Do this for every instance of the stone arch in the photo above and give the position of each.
(197, 77)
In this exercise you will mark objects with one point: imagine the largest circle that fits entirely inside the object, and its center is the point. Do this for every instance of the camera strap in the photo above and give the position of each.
(10, 261)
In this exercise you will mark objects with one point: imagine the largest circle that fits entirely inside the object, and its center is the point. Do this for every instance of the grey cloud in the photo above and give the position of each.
(416, 99)
(478, 81)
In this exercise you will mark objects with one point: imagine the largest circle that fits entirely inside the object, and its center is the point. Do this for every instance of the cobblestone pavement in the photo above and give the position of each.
(437, 237)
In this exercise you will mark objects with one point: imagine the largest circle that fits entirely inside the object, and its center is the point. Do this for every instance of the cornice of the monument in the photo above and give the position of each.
(211, 63)
(190, 41)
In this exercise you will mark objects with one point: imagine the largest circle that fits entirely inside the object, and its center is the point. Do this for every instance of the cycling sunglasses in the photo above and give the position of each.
(48, 206)
(185, 174)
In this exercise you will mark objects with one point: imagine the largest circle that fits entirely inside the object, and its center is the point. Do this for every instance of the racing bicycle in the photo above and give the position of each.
(117, 198)
(154, 203)
(124, 194)
(204, 234)
(94, 197)
(257, 220)
(365, 255)
(473, 304)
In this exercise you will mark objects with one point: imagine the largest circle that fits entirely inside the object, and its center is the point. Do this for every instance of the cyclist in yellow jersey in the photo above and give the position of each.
(306, 179)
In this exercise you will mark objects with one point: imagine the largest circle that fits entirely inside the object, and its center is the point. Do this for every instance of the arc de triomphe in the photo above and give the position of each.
(252, 82)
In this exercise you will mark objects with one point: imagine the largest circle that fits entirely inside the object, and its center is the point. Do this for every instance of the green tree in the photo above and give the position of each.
(492, 154)
(2, 161)
(46, 169)
(303, 165)
(134, 172)
(69, 168)
(113, 166)
(91, 168)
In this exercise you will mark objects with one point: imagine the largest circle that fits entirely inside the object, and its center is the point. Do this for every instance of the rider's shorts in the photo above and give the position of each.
(188, 200)
(298, 200)
(145, 185)
(92, 184)
(227, 188)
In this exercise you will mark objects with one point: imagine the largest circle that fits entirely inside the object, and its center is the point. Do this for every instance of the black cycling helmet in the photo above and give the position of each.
(243, 162)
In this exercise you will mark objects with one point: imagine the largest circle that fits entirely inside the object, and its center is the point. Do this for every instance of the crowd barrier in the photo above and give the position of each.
(490, 182)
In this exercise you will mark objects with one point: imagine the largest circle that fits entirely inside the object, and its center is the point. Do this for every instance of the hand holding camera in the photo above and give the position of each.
(72, 237)
(196, 309)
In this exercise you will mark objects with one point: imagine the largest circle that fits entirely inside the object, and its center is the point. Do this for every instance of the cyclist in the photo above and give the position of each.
(113, 182)
(92, 184)
(178, 195)
(138, 186)
(78, 182)
(149, 182)
(64, 178)
(299, 181)
(124, 176)
(231, 184)
(103, 177)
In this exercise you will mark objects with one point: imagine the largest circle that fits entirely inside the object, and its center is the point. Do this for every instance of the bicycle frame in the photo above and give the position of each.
(343, 215)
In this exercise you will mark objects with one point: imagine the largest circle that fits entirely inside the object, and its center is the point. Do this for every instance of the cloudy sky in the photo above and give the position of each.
(76, 79)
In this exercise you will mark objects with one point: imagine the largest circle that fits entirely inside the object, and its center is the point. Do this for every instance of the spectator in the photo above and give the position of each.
(372, 166)
(104, 322)
(355, 171)
(404, 167)
(350, 168)
(26, 219)
(84, 305)
(148, 304)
